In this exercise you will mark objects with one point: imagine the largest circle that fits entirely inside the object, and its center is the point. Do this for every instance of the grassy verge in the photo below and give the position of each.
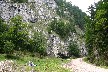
(46, 64)
(86, 60)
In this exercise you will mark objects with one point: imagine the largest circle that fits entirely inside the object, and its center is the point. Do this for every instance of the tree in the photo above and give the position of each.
(18, 33)
(61, 27)
(96, 34)
(90, 32)
(3, 31)
(101, 28)
(72, 13)
(73, 49)
(8, 47)
(38, 44)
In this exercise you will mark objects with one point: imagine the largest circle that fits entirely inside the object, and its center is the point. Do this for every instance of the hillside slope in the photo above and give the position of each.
(39, 14)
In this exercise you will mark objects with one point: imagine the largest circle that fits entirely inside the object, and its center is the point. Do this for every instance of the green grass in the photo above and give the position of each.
(86, 60)
(46, 64)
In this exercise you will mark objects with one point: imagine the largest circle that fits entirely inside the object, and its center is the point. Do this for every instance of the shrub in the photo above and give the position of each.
(8, 47)
(18, 33)
(60, 27)
(39, 43)
(3, 33)
(73, 49)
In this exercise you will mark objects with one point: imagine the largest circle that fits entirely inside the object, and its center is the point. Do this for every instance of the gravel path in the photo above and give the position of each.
(78, 65)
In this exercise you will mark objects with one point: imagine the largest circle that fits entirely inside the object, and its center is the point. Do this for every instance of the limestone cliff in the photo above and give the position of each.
(39, 13)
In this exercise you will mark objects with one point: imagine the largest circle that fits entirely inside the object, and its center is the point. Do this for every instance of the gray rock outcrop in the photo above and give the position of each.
(40, 11)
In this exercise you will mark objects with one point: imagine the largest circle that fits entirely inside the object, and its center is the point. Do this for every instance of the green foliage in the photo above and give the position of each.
(61, 27)
(46, 64)
(19, 1)
(39, 43)
(72, 13)
(13, 35)
(96, 33)
(3, 26)
(101, 31)
(73, 49)
(8, 47)
(90, 33)
(18, 33)
(79, 16)
(3, 31)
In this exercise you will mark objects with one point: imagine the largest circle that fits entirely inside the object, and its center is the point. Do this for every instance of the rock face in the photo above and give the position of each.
(56, 46)
(80, 43)
(39, 11)
(32, 11)
(7, 66)
(11, 66)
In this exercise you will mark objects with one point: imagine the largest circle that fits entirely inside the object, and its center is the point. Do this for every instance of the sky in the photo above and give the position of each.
(82, 4)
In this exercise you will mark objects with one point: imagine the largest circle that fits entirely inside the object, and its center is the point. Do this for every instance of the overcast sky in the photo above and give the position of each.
(82, 4)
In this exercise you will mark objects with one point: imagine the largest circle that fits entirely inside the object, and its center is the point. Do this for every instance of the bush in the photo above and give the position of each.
(73, 49)
(60, 27)
(3, 31)
(18, 33)
(8, 47)
(38, 43)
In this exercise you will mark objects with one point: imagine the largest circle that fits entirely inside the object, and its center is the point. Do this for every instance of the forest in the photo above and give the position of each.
(60, 33)
(96, 33)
